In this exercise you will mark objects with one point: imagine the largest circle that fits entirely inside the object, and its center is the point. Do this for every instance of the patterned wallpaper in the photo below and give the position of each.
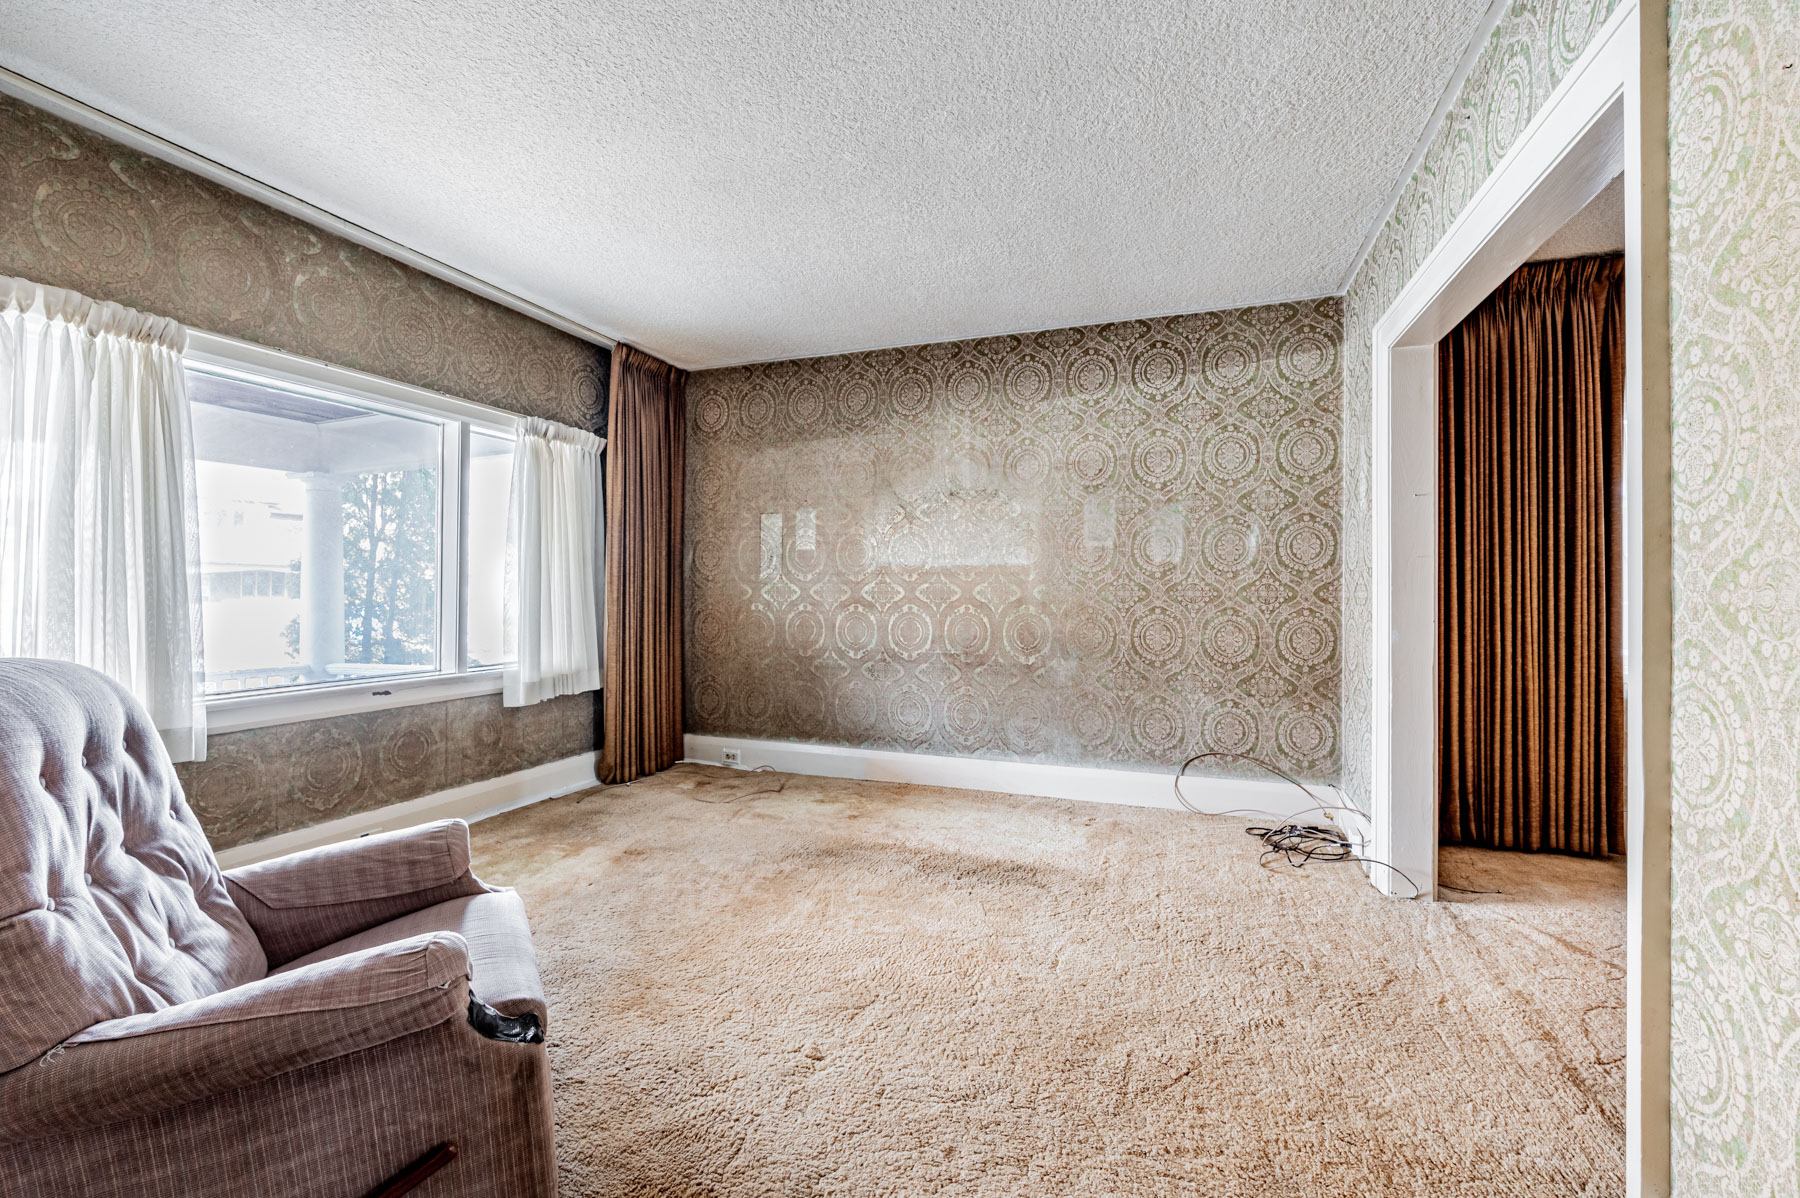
(270, 780)
(1106, 545)
(1528, 53)
(1734, 77)
(79, 211)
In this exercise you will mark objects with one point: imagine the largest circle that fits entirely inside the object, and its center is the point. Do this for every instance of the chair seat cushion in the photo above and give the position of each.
(502, 962)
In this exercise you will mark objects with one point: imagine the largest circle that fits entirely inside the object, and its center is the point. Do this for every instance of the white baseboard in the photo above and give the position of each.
(476, 801)
(1089, 784)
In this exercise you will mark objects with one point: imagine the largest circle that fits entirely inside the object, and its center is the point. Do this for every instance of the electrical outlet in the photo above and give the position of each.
(732, 757)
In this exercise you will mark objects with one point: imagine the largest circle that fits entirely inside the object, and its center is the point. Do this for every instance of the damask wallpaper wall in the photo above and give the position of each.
(1530, 50)
(79, 211)
(1108, 545)
(1735, 258)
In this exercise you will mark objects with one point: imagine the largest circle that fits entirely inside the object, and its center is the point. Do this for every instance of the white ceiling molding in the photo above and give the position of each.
(126, 134)
(723, 183)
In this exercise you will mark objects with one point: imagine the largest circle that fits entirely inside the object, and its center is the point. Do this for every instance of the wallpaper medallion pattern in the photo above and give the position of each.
(266, 781)
(1735, 273)
(1529, 52)
(1109, 545)
(79, 211)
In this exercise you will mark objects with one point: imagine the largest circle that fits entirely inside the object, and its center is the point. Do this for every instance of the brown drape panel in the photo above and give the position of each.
(1531, 699)
(640, 723)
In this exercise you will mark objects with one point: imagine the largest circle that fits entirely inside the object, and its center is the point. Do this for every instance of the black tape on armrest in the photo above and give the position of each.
(512, 1029)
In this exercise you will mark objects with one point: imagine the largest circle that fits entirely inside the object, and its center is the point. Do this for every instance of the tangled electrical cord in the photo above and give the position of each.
(1295, 843)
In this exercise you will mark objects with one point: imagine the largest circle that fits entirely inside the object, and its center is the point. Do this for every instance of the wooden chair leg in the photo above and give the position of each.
(404, 1181)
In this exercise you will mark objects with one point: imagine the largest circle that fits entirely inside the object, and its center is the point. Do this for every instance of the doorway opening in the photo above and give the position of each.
(1531, 656)
(1606, 119)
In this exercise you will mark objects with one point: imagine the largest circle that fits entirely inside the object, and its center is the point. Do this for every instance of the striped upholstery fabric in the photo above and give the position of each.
(110, 901)
(126, 1067)
(305, 901)
(334, 1129)
(491, 925)
(150, 1052)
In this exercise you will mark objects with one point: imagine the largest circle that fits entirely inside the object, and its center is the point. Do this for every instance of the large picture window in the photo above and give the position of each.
(352, 532)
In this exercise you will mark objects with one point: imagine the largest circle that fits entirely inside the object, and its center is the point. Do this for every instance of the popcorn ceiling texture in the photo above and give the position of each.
(748, 182)
(82, 212)
(1528, 53)
(1735, 240)
(1111, 545)
(1598, 228)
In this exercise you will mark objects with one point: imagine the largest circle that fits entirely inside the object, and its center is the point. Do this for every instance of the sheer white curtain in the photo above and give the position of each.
(555, 527)
(99, 556)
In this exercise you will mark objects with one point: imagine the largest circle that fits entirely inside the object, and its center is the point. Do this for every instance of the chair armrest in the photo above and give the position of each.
(307, 900)
(140, 1064)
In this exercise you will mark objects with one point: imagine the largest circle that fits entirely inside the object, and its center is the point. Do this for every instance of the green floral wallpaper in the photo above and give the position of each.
(1106, 545)
(82, 212)
(1734, 116)
(1734, 76)
(1528, 53)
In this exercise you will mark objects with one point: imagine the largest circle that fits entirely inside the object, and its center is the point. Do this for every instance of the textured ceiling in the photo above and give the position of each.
(1598, 228)
(722, 182)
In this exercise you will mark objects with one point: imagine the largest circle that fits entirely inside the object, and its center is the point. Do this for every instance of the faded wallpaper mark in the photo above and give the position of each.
(1106, 546)
(82, 212)
(1529, 52)
(1735, 257)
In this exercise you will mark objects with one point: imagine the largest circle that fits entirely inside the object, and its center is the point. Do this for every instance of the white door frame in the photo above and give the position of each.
(1609, 114)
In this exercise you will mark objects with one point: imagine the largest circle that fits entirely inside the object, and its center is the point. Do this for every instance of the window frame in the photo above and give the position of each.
(215, 353)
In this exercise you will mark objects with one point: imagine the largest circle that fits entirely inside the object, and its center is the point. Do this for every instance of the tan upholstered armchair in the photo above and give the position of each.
(304, 1026)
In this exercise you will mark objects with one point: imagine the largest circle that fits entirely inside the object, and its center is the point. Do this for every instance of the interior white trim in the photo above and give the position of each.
(473, 802)
(1087, 784)
(237, 358)
(21, 87)
(267, 709)
(1608, 115)
(1572, 148)
(234, 355)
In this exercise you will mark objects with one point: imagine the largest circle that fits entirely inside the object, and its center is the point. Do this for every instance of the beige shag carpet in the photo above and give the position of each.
(764, 984)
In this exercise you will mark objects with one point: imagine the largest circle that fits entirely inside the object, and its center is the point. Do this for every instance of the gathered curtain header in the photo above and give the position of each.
(97, 318)
(549, 430)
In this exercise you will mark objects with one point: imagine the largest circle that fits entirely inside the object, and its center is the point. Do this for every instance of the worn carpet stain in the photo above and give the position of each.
(766, 984)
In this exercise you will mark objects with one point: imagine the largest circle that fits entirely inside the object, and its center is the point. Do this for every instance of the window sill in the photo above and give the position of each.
(238, 713)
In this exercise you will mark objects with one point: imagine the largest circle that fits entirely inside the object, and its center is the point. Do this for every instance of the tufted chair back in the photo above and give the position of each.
(111, 902)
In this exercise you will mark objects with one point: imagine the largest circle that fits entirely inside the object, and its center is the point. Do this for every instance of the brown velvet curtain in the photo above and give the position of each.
(1531, 699)
(641, 707)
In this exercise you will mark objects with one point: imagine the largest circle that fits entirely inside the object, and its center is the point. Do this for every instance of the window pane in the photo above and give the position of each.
(490, 487)
(318, 536)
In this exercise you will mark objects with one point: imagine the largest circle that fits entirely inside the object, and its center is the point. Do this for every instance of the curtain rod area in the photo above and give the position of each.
(36, 94)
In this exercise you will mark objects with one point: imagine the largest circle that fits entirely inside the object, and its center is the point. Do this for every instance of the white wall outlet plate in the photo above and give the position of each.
(732, 756)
